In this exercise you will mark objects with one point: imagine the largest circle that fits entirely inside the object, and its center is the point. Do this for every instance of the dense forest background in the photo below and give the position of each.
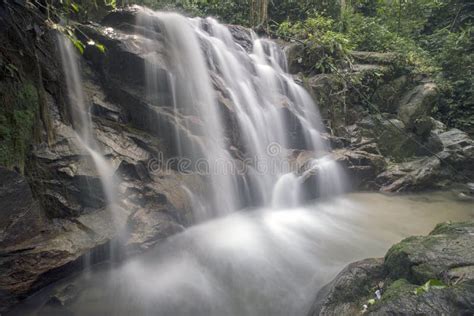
(431, 37)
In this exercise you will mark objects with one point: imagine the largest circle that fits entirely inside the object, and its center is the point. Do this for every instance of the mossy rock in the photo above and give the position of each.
(419, 259)
(18, 116)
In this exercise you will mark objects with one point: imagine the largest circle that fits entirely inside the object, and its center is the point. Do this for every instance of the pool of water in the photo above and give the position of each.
(259, 262)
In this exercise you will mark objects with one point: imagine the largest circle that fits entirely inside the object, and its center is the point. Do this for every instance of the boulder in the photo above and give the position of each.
(361, 167)
(445, 256)
(417, 103)
(343, 295)
(420, 174)
(387, 96)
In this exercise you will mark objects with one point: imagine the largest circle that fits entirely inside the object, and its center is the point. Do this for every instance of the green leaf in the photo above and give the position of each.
(100, 47)
(430, 284)
(111, 3)
(75, 7)
(371, 301)
(78, 44)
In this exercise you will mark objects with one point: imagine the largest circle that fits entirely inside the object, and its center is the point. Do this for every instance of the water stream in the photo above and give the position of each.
(83, 127)
(260, 248)
(266, 102)
(262, 262)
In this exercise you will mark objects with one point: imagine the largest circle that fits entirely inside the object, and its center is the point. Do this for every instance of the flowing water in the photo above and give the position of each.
(262, 262)
(264, 99)
(259, 247)
(82, 123)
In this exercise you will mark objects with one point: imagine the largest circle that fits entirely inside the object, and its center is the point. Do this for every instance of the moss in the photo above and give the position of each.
(397, 260)
(17, 119)
(451, 228)
(396, 289)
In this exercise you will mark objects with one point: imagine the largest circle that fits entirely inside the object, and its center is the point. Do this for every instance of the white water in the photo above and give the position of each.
(264, 97)
(254, 263)
(269, 261)
(82, 123)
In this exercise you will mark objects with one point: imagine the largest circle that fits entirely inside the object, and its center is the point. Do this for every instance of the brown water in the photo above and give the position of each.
(265, 262)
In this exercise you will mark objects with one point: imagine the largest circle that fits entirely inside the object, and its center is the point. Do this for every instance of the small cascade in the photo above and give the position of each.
(82, 123)
(204, 60)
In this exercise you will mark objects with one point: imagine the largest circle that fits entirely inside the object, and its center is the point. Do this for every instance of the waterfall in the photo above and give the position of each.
(267, 103)
(83, 127)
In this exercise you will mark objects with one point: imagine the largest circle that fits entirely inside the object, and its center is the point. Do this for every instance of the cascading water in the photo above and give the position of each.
(81, 120)
(269, 261)
(264, 98)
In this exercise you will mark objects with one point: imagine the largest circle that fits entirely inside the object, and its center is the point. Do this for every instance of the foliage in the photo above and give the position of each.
(429, 285)
(454, 52)
(370, 34)
(326, 46)
(61, 16)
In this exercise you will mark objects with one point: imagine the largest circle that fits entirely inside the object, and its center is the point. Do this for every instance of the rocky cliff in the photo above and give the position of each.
(53, 209)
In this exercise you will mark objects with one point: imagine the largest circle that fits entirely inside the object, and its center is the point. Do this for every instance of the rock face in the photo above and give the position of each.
(384, 110)
(445, 256)
(19, 209)
(54, 215)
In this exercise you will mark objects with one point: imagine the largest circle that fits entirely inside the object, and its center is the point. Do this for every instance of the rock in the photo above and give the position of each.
(393, 140)
(21, 217)
(446, 255)
(416, 175)
(450, 157)
(295, 53)
(456, 140)
(56, 252)
(64, 296)
(242, 36)
(361, 167)
(342, 295)
(149, 226)
(418, 259)
(374, 57)
(422, 126)
(417, 103)
(387, 96)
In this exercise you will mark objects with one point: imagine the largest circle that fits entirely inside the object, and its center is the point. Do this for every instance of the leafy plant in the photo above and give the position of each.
(326, 46)
(429, 285)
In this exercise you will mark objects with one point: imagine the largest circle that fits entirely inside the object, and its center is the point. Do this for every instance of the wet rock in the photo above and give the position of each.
(122, 18)
(242, 36)
(21, 217)
(51, 255)
(360, 166)
(295, 53)
(64, 296)
(343, 295)
(149, 226)
(446, 255)
(418, 259)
